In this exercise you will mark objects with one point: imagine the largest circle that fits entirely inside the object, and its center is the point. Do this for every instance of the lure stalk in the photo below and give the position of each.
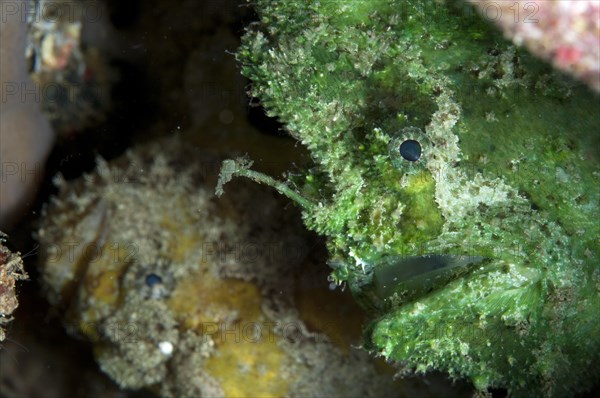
(241, 167)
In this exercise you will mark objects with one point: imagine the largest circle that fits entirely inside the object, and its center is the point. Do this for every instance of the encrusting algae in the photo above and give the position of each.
(11, 271)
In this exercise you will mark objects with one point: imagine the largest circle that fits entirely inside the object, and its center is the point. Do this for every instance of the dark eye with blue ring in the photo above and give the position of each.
(410, 150)
(153, 279)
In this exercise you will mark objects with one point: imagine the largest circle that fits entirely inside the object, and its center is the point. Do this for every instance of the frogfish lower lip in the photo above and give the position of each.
(418, 274)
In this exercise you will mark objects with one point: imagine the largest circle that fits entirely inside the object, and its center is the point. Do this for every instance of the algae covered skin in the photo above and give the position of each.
(501, 205)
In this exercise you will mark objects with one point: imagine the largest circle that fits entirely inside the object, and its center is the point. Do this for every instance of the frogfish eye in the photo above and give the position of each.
(153, 279)
(410, 150)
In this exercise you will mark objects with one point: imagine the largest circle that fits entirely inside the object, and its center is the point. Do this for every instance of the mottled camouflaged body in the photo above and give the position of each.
(188, 295)
(509, 172)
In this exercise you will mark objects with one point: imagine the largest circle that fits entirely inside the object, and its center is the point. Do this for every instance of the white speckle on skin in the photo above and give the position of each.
(166, 347)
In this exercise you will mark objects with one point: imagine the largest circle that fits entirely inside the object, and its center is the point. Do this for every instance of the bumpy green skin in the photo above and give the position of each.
(510, 171)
